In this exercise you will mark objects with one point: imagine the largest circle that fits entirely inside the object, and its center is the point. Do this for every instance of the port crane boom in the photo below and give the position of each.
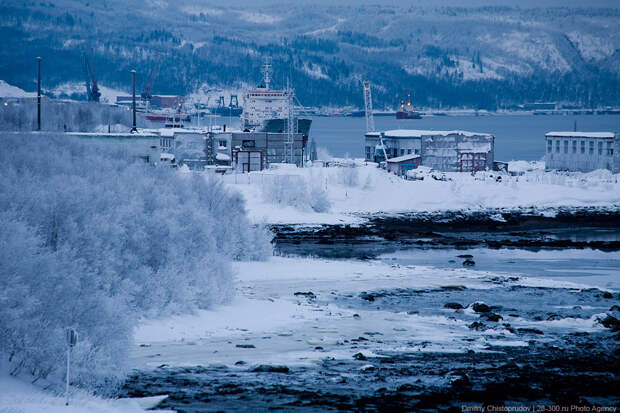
(370, 120)
(92, 89)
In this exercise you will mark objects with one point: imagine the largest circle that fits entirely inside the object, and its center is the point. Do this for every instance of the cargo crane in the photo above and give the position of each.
(148, 86)
(370, 120)
(92, 89)
(234, 102)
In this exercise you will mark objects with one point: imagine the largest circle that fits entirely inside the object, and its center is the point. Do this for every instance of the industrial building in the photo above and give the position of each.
(447, 151)
(243, 151)
(401, 164)
(253, 151)
(582, 151)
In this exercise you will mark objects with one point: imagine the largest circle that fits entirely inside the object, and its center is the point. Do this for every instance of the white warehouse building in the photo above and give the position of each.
(582, 151)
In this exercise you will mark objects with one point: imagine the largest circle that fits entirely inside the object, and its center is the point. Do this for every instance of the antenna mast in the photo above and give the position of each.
(291, 125)
(267, 72)
(370, 120)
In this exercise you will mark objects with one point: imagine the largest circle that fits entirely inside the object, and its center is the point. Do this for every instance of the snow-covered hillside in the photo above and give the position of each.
(10, 91)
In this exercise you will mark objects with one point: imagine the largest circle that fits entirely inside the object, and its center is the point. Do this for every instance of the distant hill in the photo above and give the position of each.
(479, 56)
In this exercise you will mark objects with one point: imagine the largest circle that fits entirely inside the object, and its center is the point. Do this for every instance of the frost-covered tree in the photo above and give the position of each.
(93, 240)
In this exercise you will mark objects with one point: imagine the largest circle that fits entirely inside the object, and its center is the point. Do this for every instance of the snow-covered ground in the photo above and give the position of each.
(269, 323)
(365, 189)
(19, 396)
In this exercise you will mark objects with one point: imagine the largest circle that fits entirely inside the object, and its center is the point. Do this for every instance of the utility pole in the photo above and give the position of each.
(133, 86)
(38, 93)
(72, 337)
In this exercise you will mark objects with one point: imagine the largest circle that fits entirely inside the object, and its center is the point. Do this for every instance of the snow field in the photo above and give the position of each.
(344, 192)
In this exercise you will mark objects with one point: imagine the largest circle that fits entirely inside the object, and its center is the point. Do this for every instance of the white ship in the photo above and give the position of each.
(267, 110)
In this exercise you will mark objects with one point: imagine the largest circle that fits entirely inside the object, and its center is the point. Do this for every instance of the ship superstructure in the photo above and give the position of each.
(269, 110)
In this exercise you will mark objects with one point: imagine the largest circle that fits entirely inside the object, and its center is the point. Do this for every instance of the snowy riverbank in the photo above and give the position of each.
(342, 195)
(286, 307)
(337, 332)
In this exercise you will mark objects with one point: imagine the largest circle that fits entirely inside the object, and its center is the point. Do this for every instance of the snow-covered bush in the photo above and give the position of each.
(93, 240)
(295, 191)
(348, 175)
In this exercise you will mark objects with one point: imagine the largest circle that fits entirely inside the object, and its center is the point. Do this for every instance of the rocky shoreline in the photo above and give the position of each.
(524, 228)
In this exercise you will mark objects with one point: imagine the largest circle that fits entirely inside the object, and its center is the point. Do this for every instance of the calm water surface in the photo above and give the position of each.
(516, 136)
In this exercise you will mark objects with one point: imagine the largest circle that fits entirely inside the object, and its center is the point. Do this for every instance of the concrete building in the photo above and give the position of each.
(251, 151)
(582, 151)
(447, 151)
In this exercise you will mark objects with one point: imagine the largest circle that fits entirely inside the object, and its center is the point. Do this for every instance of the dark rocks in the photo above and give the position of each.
(453, 287)
(614, 308)
(360, 356)
(309, 295)
(469, 263)
(476, 325)
(492, 317)
(553, 316)
(530, 331)
(480, 307)
(265, 368)
(608, 295)
(465, 256)
(367, 296)
(245, 346)
(407, 387)
(453, 306)
(357, 316)
(461, 380)
(318, 348)
(240, 363)
(610, 322)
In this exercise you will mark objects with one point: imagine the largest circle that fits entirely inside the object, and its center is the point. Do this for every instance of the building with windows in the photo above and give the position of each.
(582, 151)
(447, 151)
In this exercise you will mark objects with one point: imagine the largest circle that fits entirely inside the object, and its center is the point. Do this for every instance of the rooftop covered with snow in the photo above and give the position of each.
(418, 133)
(574, 134)
(403, 158)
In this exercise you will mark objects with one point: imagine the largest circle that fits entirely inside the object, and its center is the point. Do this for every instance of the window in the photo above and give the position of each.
(402, 152)
(549, 146)
(248, 144)
(408, 151)
(583, 146)
(417, 151)
(222, 144)
(395, 152)
(610, 150)
(565, 146)
(557, 146)
(368, 152)
(600, 148)
(574, 146)
(591, 148)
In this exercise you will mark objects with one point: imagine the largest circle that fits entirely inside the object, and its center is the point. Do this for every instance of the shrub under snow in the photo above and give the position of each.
(93, 241)
(296, 191)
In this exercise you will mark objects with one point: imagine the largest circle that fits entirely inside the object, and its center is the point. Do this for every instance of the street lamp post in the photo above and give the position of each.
(71, 341)
(133, 87)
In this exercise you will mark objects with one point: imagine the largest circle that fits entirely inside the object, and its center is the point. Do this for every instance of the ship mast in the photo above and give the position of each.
(291, 123)
(267, 71)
